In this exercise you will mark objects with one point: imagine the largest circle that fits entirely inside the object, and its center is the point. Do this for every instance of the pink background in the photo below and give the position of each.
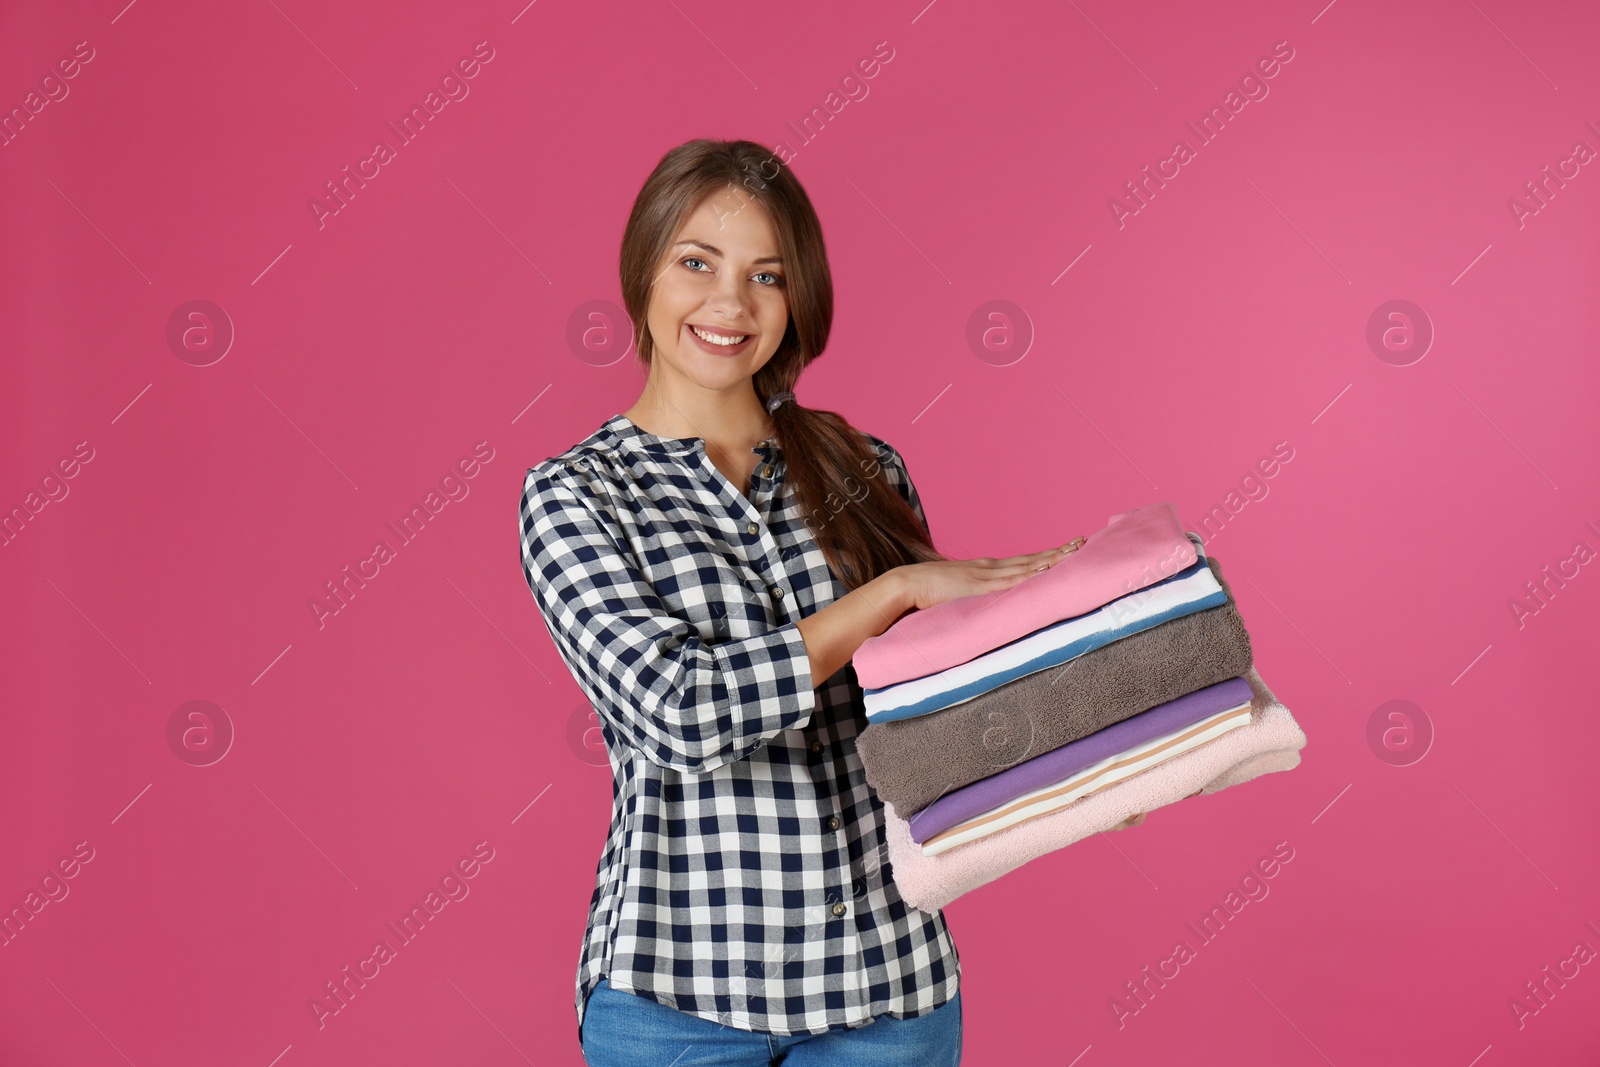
(373, 752)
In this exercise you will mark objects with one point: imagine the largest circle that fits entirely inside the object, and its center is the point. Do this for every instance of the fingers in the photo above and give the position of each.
(1034, 560)
(1000, 574)
(1039, 561)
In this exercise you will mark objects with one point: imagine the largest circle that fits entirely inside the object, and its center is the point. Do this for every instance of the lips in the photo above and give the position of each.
(714, 348)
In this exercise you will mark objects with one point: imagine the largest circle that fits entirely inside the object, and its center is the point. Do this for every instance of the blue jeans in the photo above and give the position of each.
(622, 1029)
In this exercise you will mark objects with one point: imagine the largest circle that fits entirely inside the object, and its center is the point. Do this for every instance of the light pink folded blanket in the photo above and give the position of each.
(1270, 742)
(1136, 549)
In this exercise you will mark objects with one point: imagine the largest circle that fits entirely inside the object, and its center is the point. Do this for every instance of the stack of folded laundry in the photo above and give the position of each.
(1008, 725)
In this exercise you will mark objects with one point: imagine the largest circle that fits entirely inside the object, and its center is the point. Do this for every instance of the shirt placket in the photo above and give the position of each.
(837, 905)
(759, 547)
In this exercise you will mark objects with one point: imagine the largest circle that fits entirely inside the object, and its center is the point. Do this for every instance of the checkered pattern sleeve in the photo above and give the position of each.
(894, 468)
(685, 703)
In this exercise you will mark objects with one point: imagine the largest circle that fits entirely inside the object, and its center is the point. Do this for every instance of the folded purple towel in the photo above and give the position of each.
(1040, 771)
(912, 762)
(1270, 742)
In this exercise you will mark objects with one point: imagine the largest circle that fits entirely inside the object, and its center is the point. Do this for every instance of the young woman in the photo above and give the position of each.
(707, 563)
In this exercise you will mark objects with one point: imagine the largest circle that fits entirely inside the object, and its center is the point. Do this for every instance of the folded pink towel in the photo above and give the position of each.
(1136, 549)
(1270, 742)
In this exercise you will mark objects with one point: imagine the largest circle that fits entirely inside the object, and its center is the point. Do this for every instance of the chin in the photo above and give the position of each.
(723, 377)
(715, 372)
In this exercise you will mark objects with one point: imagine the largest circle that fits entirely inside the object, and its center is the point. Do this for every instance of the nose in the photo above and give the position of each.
(727, 299)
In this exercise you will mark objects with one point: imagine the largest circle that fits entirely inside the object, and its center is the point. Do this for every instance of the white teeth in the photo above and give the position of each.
(715, 339)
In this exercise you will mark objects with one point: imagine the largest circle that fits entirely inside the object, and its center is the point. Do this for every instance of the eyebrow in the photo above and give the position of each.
(714, 250)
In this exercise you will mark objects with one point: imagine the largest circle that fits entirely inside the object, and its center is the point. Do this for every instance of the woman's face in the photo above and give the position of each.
(722, 275)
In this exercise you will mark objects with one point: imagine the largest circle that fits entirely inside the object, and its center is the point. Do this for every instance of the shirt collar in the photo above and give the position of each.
(623, 429)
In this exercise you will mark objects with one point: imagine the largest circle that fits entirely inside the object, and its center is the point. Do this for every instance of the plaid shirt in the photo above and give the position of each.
(745, 877)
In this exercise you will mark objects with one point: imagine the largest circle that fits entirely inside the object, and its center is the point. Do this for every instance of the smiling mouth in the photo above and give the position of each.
(725, 339)
(720, 343)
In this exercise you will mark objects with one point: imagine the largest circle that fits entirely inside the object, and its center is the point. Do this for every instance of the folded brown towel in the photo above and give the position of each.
(912, 762)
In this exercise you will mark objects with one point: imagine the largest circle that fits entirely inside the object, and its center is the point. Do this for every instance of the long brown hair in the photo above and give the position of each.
(860, 521)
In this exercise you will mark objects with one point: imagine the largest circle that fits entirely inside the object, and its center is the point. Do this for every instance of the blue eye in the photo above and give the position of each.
(777, 279)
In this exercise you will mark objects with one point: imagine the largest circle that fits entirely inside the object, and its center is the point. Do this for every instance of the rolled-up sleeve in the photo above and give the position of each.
(683, 702)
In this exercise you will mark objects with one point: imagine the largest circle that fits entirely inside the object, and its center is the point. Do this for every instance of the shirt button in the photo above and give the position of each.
(751, 529)
(766, 472)
(816, 746)
(777, 591)
(838, 909)
(833, 822)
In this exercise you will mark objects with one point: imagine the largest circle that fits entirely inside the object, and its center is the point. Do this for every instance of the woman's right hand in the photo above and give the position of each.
(925, 584)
